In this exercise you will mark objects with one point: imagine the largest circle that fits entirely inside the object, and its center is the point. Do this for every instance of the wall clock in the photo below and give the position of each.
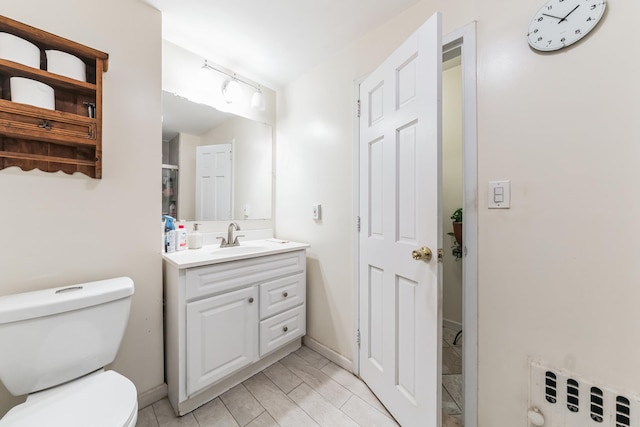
(560, 23)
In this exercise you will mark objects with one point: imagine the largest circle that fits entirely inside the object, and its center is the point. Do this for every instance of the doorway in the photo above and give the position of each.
(460, 44)
(452, 239)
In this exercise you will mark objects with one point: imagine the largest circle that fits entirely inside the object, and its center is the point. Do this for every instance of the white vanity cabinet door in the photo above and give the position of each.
(282, 294)
(282, 328)
(222, 338)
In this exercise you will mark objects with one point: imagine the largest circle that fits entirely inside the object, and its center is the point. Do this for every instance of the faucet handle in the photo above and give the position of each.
(235, 241)
(223, 243)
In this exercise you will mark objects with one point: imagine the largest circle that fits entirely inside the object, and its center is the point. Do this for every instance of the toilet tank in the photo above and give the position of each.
(52, 336)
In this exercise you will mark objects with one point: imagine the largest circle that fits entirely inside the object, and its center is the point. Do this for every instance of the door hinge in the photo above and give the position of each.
(358, 337)
(440, 255)
(358, 223)
(358, 108)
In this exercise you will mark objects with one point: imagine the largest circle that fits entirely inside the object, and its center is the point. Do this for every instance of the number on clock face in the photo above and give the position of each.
(560, 23)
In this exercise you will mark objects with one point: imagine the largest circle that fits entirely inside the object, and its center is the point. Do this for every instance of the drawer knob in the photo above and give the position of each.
(285, 294)
(285, 329)
(250, 300)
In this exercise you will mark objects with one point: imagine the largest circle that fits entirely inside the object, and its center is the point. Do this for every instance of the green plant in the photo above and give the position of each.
(457, 215)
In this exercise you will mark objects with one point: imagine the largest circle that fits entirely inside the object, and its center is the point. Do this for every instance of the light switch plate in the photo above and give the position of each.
(499, 194)
(316, 211)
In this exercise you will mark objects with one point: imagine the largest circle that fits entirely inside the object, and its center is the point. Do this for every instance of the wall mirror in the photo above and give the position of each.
(216, 166)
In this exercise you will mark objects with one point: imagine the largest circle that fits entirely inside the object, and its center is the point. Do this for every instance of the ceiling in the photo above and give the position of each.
(271, 42)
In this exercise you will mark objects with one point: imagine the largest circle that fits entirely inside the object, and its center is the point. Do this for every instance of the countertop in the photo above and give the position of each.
(214, 254)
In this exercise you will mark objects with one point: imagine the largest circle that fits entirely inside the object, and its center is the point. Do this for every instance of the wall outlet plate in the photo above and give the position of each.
(316, 211)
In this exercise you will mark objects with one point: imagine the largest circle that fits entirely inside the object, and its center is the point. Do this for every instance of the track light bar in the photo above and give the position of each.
(232, 76)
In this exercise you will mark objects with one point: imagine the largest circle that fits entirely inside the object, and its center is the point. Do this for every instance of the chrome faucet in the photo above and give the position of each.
(230, 240)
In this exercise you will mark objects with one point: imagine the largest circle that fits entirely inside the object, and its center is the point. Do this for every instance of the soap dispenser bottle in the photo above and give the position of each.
(194, 239)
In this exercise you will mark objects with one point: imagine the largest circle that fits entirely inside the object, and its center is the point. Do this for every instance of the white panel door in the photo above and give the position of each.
(400, 151)
(213, 182)
(222, 338)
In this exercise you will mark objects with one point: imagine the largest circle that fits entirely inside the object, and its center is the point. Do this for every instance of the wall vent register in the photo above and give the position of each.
(564, 399)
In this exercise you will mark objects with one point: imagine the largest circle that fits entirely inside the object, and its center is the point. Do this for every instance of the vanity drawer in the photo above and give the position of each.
(225, 276)
(282, 328)
(281, 294)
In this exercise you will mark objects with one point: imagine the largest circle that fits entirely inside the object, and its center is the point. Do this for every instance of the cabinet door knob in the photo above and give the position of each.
(285, 329)
(285, 294)
(250, 300)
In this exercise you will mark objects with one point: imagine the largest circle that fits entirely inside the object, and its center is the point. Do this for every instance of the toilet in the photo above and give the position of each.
(55, 344)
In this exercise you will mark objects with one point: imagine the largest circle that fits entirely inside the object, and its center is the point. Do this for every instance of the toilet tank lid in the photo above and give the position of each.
(29, 305)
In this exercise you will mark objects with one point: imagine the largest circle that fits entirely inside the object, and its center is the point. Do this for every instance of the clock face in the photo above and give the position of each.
(560, 23)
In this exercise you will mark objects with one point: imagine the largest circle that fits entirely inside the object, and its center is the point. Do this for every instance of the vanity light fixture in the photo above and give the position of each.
(231, 89)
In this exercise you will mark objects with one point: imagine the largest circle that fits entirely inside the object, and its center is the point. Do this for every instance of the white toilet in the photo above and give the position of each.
(54, 344)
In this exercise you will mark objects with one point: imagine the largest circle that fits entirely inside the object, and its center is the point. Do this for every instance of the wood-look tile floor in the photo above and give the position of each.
(303, 389)
(451, 380)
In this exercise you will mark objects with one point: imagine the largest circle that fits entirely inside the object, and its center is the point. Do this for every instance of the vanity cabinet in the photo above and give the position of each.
(228, 320)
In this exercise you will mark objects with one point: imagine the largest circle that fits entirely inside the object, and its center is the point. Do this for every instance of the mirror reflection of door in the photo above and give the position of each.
(213, 182)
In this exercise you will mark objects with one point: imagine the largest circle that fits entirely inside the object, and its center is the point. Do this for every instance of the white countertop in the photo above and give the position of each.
(214, 254)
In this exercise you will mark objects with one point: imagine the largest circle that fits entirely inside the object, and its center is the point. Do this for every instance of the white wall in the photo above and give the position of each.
(558, 276)
(451, 190)
(60, 229)
(314, 165)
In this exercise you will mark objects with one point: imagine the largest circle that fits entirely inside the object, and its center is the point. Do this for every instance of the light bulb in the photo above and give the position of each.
(257, 101)
(231, 91)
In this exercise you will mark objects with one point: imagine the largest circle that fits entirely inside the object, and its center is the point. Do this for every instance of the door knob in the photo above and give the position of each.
(250, 300)
(424, 254)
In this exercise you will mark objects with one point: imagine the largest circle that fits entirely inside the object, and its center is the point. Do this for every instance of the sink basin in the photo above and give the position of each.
(239, 250)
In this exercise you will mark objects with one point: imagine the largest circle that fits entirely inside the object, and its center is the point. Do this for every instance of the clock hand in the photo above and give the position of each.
(551, 16)
(565, 17)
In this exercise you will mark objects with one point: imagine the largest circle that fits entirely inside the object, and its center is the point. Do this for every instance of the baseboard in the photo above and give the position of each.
(452, 324)
(325, 351)
(150, 397)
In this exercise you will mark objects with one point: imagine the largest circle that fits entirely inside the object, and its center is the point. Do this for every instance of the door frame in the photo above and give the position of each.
(464, 38)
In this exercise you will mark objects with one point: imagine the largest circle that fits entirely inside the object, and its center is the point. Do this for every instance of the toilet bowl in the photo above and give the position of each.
(105, 399)
(57, 342)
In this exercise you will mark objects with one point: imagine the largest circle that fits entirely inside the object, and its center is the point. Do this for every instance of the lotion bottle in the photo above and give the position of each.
(194, 239)
(181, 236)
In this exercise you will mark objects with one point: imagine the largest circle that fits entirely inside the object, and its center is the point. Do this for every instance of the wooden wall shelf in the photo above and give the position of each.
(67, 139)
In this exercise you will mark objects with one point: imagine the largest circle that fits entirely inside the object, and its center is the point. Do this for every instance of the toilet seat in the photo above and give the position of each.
(101, 399)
